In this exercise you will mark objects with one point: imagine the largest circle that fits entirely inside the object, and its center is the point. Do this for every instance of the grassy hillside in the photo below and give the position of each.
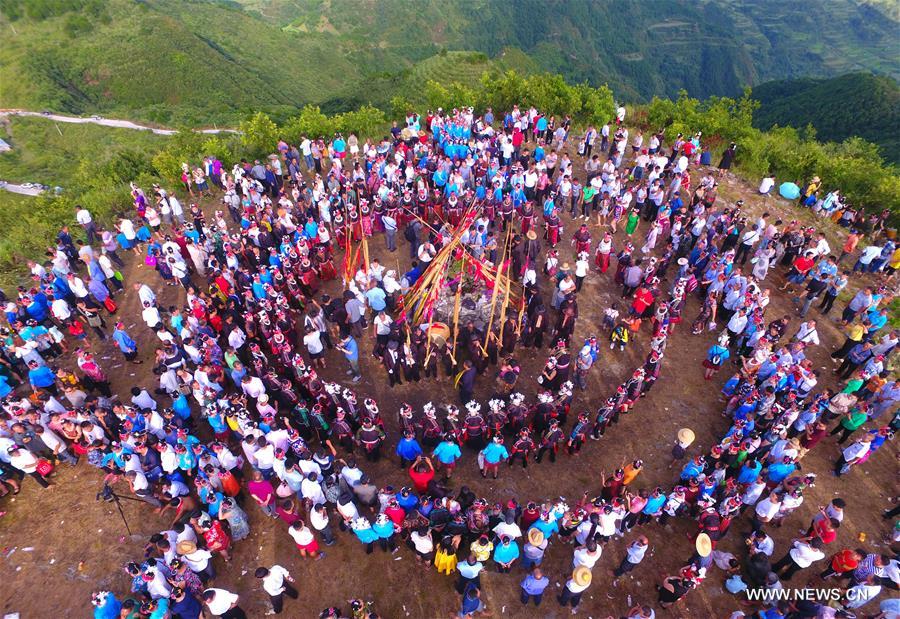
(165, 61)
(202, 61)
(855, 104)
(50, 153)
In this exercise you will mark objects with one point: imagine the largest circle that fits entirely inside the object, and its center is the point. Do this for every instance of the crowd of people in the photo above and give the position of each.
(242, 425)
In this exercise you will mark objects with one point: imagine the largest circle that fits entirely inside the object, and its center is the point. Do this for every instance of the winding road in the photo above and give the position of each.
(106, 122)
(27, 190)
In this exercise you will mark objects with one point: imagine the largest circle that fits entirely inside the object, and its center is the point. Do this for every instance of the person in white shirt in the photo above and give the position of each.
(305, 540)
(223, 603)
(861, 594)
(807, 333)
(157, 586)
(252, 386)
(199, 560)
(145, 294)
(634, 554)
(55, 444)
(800, 556)
(61, 310)
(311, 490)
(766, 510)
(276, 581)
(83, 217)
(26, 462)
(141, 487)
(853, 454)
(587, 555)
(575, 587)
(509, 528)
(142, 399)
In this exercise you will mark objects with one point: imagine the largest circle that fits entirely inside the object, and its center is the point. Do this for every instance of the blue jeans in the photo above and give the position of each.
(309, 161)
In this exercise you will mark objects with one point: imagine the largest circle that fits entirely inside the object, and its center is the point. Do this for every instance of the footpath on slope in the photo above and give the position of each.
(28, 189)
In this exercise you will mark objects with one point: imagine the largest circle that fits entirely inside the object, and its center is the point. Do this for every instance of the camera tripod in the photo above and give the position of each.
(109, 495)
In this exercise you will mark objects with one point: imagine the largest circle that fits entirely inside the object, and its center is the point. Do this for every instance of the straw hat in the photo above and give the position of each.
(685, 436)
(186, 547)
(531, 234)
(703, 544)
(535, 536)
(582, 576)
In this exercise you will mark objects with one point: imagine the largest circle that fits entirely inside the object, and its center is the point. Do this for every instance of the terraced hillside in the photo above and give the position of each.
(201, 61)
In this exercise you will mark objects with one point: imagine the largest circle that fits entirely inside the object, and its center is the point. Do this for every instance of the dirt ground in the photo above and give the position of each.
(59, 545)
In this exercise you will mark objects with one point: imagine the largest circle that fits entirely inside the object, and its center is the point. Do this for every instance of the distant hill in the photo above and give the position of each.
(857, 104)
(195, 61)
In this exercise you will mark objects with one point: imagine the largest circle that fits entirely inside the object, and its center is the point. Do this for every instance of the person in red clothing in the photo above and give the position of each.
(421, 472)
(517, 139)
(643, 299)
(396, 513)
(843, 563)
(530, 515)
(799, 270)
(826, 529)
(217, 540)
(812, 436)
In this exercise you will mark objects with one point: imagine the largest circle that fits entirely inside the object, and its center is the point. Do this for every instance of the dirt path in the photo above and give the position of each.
(107, 122)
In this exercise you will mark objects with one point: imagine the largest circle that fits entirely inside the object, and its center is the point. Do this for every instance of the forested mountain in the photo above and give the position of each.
(193, 60)
(639, 48)
(858, 104)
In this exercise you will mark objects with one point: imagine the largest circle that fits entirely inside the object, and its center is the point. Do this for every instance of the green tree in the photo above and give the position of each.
(400, 107)
(436, 95)
(366, 121)
(259, 134)
(311, 122)
(597, 104)
(503, 92)
(552, 95)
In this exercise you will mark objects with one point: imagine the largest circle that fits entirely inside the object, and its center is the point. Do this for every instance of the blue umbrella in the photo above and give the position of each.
(789, 191)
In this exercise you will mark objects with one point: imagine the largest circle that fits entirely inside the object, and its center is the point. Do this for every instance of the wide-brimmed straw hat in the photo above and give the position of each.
(582, 576)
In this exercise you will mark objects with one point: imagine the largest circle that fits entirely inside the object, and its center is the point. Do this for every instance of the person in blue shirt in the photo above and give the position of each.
(413, 275)
(376, 298)
(349, 347)
(407, 500)
(42, 377)
(715, 357)
(780, 471)
(547, 525)
(505, 554)
(749, 471)
(384, 529)
(408, 449)
(447, 453)
(364, 532)
(654, 505)
(693, 468)
(533, 587)
(493, 455)
(6, 389)
(125, 343)
(184, 604)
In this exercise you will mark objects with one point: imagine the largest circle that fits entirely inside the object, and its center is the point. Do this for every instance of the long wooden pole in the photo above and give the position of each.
(497, 284)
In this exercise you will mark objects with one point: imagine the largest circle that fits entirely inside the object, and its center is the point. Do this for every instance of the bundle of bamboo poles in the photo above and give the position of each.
(419, 300)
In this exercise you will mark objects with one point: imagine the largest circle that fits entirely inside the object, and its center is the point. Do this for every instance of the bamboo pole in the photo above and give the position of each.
(497, 283)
